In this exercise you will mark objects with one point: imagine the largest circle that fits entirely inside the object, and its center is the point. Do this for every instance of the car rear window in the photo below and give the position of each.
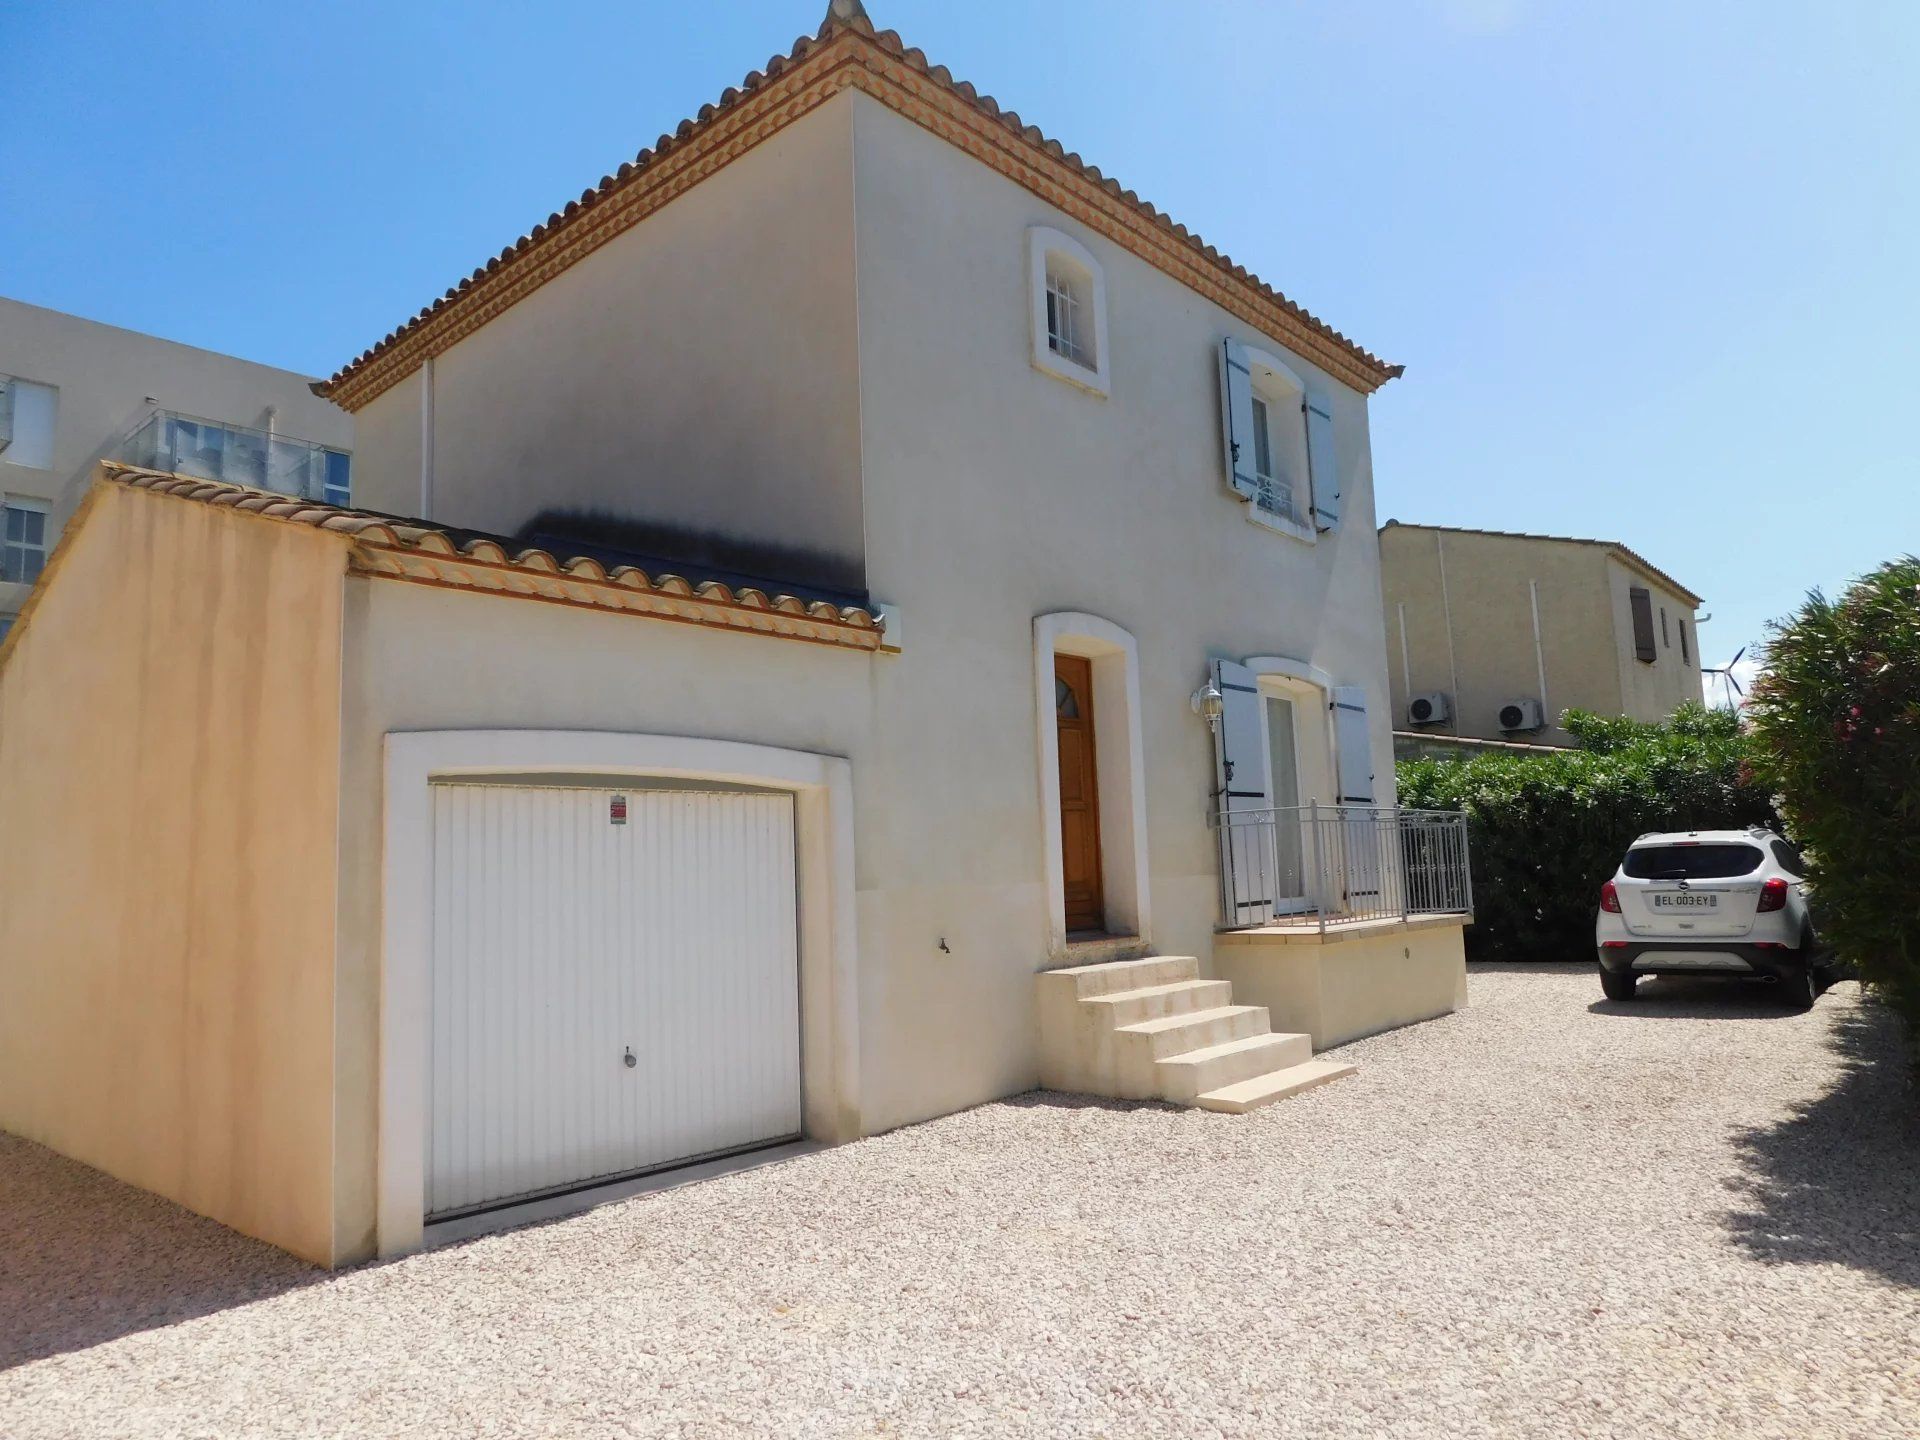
(1788, 858)
(1692, 862)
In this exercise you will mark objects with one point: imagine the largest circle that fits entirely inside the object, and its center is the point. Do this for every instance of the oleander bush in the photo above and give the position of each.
(1547, 830)
(1836, 719)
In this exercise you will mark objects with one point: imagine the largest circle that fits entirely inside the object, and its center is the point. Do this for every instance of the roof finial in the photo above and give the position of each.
(845, 12)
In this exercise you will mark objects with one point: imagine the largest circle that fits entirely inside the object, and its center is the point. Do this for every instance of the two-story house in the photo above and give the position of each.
(74, 391)
(856, 616)
(1493, 635)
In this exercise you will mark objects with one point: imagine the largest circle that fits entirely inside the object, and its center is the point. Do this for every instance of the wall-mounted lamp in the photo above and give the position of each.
(1208, 701)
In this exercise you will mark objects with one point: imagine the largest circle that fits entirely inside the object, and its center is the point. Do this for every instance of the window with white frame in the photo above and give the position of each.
(1272, 455)
(1069, 318)
(23, 540)
(1068, 297)
(28, 412)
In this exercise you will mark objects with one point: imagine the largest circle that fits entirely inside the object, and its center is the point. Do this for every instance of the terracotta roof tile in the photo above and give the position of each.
(402, 548)
(882, 65)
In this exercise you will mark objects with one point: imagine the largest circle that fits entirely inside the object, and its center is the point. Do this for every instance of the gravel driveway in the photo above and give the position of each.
(1698, 1215)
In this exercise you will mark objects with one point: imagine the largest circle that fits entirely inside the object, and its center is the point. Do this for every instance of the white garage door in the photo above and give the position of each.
(615, 985)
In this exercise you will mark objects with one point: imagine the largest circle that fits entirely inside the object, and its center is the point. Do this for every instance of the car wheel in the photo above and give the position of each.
(1800, 989)
(1618, 986)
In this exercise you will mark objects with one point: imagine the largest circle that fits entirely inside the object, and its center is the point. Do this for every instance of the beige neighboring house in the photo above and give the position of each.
(74, 392)
(857, 616)
(1495, 635)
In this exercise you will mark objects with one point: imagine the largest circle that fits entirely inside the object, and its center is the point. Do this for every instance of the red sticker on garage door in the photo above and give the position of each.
(617, 810)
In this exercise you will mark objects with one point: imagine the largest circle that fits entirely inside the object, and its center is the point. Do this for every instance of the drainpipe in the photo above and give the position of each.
(426, 438)
(1446, 615)
(1539, 654)
(1406, 664)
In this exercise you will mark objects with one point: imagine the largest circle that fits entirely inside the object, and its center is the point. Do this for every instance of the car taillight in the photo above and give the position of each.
(1610, 898)
(1773, 895)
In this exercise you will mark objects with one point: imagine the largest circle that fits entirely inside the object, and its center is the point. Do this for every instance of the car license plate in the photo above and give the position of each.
(1685, 900)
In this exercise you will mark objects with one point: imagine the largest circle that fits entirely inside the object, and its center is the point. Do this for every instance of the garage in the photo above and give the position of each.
(614, 985)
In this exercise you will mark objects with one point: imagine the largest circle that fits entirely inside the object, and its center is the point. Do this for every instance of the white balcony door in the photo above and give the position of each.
(1290, 883)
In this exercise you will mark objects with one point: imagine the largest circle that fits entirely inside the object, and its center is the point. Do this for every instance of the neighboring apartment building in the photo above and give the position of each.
(840, 570)
(74, 391)
(1495, 635)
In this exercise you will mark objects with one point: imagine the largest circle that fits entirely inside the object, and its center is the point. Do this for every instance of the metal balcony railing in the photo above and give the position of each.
(211, 450)
(1319, 866)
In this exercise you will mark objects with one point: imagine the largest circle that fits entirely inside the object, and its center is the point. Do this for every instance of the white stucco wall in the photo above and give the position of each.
(697, 370)
(986, 494)
(995, 493)
(420, 658)
(169, 718)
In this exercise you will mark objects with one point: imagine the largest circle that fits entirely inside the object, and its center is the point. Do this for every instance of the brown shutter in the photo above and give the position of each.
(1643, 646)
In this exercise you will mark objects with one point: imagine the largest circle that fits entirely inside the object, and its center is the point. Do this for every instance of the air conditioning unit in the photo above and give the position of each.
(1523, 715)
(1434, 708)
(6, 412)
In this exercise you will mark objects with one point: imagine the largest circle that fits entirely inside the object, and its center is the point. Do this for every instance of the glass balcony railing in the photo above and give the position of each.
(188, 445)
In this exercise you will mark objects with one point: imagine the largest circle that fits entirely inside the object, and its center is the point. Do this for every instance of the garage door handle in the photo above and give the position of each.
(630, 1061)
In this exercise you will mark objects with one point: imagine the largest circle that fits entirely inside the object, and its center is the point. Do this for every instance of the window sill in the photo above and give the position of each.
(1094, 382)
(1267, 520)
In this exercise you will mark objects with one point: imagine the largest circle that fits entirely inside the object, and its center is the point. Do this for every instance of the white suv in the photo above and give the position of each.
(1709, 902)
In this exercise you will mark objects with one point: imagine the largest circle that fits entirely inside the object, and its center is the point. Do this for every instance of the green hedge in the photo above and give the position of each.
(1837, 720)
(1547, 830)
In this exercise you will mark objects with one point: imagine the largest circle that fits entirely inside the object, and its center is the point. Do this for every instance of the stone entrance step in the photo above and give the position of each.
(1245, 1095)
(1151, 1028)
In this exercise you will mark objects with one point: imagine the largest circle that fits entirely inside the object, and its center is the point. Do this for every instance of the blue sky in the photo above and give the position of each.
(1651, 267)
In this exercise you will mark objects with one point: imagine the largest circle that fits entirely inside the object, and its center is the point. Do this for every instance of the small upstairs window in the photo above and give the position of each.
(1640, 607)
(1069, 323)
(23, 540)
(28, 412)
(1279, 444)
(1068, 295)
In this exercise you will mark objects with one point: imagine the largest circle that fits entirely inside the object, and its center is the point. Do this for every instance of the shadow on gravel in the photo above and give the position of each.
(1839, 1182)
(1570, 966)
(85, 1259)
(1066, 1100)
(1680, 997)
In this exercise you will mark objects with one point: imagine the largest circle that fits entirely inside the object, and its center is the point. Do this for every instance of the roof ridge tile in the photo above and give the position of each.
(1368, 370)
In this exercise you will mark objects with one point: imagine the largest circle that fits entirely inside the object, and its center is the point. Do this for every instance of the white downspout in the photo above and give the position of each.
(426, 438)
(1539, 654)
(1406, 665)
(1446, 614)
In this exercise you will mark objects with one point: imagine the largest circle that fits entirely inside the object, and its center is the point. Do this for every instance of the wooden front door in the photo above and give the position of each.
(1079, 793)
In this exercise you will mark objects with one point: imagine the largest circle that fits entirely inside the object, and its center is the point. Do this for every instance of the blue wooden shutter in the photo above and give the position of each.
(1241, 754)
(1353, 745)
(1323, 464)
(1236, 418)
(1240, 780)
